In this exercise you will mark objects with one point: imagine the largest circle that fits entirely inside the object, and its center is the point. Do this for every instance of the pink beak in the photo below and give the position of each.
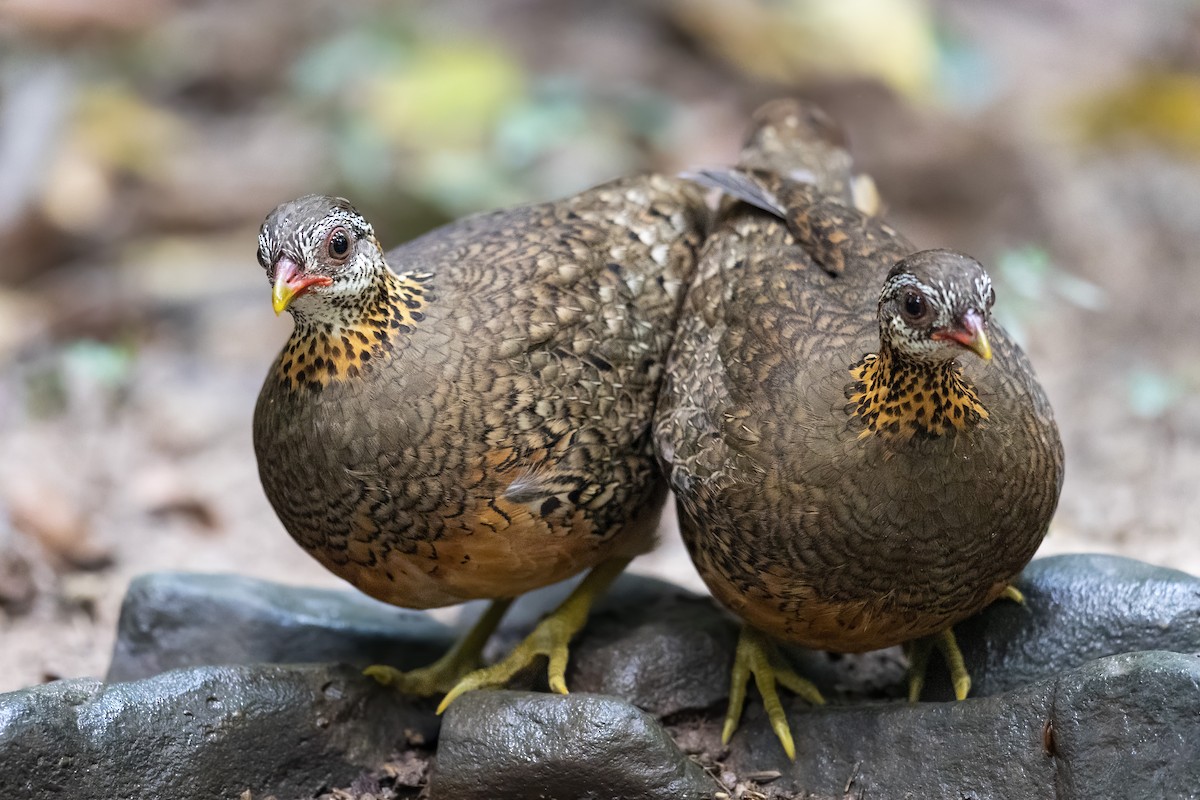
(970, 332)
(290, 283)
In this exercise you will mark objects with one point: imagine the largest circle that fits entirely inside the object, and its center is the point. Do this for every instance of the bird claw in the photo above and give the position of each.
(445, 673)
(424, 682)
(756, 655)
(551, 639)
(1014, 594)
(918, 663)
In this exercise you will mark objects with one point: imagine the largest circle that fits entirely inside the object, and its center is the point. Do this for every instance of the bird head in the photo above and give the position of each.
(320, 256)
(934, 305)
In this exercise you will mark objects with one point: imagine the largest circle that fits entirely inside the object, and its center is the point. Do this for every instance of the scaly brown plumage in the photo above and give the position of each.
(849, 474)
(468, 416)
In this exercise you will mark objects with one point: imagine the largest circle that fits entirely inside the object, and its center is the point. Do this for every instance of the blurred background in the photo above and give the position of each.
(143, 141)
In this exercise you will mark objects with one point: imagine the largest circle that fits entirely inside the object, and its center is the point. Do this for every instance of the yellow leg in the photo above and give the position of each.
(549, 639)
(918, 655)
(918, 662)
(443, 674)
(757, 655)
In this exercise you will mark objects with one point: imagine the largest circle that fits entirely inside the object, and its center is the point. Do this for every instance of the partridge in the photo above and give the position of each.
(861, 456)
(468, 416)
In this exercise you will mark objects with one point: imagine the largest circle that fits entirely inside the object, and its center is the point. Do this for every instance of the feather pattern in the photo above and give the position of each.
(846, 479)
(469, 416)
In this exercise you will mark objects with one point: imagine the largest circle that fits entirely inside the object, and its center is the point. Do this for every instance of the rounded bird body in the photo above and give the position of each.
(832, 492)
(860, 457)
(468, 417)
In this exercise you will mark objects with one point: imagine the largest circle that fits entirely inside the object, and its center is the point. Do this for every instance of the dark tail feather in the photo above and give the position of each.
(741, 185)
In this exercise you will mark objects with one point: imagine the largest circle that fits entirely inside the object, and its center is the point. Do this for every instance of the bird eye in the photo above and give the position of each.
(991, 298)
(339, 244)
(914, 305)
(262, 258)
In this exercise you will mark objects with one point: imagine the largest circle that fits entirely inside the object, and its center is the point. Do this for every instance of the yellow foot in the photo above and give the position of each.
(549, 639)
(1012, 593)
(918, 662)
(443, 674)
(757, 655)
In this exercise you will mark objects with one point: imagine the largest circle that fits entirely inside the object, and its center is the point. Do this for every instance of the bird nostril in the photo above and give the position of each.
(284, 268)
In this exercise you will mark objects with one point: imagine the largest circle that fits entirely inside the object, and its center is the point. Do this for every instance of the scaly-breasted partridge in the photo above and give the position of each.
(468, 416)
(861, 457)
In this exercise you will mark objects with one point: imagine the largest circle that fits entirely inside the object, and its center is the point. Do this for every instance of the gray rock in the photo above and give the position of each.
(665, 656)
(504, 745)
(1128, 727)
(1125, 726)
(203, 733)
(1078, 608)
(172, 619)
(1121, 727)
